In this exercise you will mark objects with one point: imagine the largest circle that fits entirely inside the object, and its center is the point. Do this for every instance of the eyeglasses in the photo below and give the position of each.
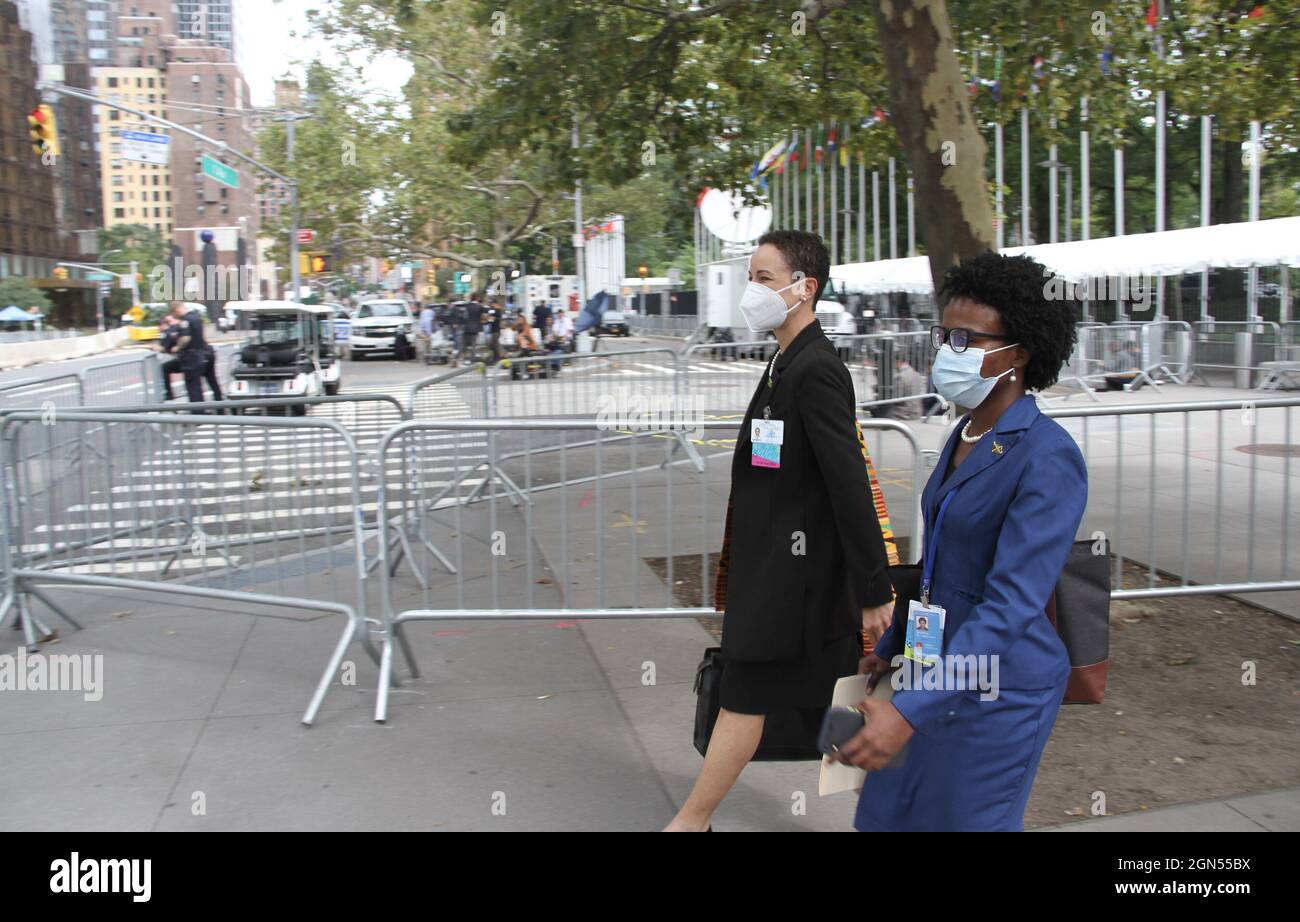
(958, 337)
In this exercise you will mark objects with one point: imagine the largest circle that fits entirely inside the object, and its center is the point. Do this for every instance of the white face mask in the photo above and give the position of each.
(764, 308)
(957, 376)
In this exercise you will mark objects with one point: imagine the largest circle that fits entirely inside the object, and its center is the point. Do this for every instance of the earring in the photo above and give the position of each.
(1013, 374)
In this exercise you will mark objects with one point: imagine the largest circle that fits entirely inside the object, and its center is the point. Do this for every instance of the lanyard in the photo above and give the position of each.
(771, 385)
(931, 547)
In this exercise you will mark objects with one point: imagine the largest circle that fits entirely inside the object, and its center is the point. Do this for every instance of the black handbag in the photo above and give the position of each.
(789, 735)
(1079, 609)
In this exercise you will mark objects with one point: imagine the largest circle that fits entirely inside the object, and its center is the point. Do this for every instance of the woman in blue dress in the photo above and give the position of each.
(1001, 511)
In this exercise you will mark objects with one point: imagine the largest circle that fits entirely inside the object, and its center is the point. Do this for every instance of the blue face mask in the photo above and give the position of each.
(957, 377)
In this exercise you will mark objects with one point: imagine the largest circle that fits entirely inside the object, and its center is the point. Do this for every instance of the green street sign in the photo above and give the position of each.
(100, 276)
(215, 169)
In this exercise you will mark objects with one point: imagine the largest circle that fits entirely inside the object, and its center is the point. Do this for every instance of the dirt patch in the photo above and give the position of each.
(687, 586)
(1178, 724)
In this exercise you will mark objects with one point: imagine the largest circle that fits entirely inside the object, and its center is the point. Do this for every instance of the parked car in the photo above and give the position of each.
(614, 323)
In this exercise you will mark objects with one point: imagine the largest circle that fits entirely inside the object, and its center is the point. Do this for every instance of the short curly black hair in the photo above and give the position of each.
(1017, 288)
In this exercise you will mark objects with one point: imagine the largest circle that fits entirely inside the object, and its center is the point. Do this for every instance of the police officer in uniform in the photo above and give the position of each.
(197, 358)
(168, 334)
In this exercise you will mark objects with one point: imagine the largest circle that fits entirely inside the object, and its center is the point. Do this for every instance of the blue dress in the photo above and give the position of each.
(1020, 496)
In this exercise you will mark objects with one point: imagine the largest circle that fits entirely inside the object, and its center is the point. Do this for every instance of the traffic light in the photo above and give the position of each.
(44, 130)
(319, 264)
(60, 272)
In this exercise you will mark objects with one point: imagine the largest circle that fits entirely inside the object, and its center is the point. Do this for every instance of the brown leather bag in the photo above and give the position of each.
(1079, 609)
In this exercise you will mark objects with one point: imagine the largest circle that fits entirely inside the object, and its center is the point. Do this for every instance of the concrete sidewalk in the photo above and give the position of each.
(1271, 811)
(538, 726)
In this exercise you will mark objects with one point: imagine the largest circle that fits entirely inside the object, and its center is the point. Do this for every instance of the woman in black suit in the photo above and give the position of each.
(808, 563)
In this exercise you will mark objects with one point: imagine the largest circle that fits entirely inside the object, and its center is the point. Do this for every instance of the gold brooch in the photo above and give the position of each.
(997, 448)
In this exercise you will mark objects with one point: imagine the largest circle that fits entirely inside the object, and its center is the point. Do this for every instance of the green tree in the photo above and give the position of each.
(123, 244)
(20, 292)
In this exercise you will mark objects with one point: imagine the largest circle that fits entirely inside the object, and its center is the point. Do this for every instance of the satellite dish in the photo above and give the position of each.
(728, 218)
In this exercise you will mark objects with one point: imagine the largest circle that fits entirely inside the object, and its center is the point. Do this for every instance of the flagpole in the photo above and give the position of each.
(821, 189)
(893, 213)
(997, 191)
(1205, 209)
(1256, 151)
(835, 201)
(1119, 211)
(875, 214)
(1026, 233)
(862, 209)
(793, 190)
(848, 197)
(911, 224)
(1085, 182)
(807, 168)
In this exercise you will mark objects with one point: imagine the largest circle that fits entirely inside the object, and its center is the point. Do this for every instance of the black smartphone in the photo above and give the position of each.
(838, 727)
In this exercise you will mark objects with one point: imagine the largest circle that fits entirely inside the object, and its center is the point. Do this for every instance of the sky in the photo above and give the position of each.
(277, 40)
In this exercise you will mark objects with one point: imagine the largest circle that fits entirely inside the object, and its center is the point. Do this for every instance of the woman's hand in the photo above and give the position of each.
(875, 621)
(885, 734)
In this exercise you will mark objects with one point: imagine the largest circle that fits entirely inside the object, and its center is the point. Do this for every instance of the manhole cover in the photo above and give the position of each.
(1272, 451)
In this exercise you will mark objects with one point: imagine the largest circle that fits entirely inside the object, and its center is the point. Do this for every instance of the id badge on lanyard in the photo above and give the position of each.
(923, 642)
(766, 435)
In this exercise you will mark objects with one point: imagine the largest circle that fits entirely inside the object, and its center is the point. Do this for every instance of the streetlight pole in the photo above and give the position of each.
(295, 270)
(579, 242)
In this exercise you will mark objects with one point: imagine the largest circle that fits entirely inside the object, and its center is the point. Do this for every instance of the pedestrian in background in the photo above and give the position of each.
(542, 319)
(908, 382)
(168, 334)
(562, 327)
(197, 359)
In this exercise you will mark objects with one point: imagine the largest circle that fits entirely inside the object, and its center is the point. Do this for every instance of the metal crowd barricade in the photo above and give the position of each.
(251, 510)
(578, 384)
(722, 376)
(671, 324)
(1213, 475)
(614, 526)
(64, 391)
(1241, 347)
(1169, 349)
(136, 380)
(460, 393)
(1119, 351)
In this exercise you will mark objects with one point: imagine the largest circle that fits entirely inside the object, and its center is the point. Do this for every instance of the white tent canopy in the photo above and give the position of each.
(1176, 252)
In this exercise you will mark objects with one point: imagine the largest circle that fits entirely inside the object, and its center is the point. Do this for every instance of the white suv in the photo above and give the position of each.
(375, 326)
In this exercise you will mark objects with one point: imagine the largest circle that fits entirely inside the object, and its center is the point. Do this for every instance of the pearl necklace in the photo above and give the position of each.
(972, 439)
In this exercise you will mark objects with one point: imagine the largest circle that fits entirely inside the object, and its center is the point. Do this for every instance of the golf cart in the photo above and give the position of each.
(289, 352)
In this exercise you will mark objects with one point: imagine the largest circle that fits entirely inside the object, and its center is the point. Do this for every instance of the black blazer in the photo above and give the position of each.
(781, 604)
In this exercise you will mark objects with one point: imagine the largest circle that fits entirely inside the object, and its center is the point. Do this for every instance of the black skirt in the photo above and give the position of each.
(806, 683)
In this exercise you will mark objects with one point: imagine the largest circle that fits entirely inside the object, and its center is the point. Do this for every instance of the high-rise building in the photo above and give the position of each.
(173, 60)
(207, 92)
(143, 28)
(59, 30)
(101, 31)
(213, 22)
(273, 198)
(134, 192)
(31, 238)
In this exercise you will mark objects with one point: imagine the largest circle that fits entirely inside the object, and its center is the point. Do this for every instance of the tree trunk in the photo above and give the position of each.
(930, 110)
(1226, 204)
